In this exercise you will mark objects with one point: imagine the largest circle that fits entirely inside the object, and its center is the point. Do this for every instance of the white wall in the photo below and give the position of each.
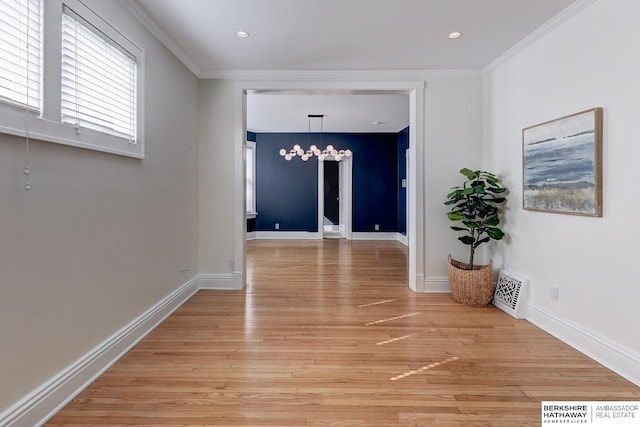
(453, 140)
(100, 238)
(588, 61)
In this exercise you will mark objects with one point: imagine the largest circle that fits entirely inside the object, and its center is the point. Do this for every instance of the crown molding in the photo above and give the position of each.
(542, 31)
(150, 24)
(331, 75)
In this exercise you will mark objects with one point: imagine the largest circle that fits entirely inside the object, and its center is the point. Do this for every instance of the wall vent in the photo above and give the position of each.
(511, 294)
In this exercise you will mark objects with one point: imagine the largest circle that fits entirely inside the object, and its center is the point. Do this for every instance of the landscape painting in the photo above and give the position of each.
(562, 162)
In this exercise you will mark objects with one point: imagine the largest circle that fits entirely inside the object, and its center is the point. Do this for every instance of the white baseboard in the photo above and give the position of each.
(435, 285)
(42, 403)
(286, 235)
(375, 235)
(218, 282)
(619, 359)
(307, 235)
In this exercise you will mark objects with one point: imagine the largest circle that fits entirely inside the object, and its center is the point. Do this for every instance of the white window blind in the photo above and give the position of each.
(250, 181)
(98, 80)
(20, 52)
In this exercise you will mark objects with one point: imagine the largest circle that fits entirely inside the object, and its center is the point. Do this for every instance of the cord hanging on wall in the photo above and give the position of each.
(313, 150)
(27, 169)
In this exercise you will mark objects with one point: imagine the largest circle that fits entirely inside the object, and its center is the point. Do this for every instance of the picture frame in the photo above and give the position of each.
(562, 165)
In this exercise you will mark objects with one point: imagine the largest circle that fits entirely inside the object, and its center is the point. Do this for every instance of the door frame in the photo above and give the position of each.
(415, 193)
(345, 171)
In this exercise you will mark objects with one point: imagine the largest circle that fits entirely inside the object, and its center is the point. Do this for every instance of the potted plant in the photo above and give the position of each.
(475, 207)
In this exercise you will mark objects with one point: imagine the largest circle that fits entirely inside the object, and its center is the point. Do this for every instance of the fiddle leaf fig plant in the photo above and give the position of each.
(475, 206)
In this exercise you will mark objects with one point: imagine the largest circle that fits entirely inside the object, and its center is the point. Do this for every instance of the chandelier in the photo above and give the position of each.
(313, 150)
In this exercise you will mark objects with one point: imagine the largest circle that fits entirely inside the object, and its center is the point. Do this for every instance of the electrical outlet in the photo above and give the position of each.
(555, 291)
(277, 226)
(376, 227)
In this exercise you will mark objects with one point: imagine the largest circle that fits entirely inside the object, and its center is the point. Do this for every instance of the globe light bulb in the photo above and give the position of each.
(305, 157)
(287, 156)
(296, 147)
(282, 151)
(329, 147)
(347, 153)
(313, 147)
(334, 153)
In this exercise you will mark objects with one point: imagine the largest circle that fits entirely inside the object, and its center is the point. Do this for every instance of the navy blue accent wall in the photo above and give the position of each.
(403, 145)
(287, 192)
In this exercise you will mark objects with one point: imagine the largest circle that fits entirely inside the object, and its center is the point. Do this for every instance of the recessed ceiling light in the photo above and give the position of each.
(376, 123)
(455, 35)
(242, 34)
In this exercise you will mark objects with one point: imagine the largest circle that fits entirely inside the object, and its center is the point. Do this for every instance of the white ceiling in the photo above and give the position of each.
(340, 36)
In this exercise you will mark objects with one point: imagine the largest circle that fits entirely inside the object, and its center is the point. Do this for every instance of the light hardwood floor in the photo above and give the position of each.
(327, 333)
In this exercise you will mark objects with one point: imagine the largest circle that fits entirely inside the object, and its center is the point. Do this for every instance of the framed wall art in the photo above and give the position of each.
(562, 165)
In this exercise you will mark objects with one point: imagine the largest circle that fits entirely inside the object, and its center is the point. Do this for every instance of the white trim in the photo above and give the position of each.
(619, 359)
(47, 399)
(375, 235)
(346, 196)
(542, 31)
(219, 282)
(415, 190)
(326, 75)
(403, 238)
(150, 24)
(286, 235)
(251, 235)
(436, 285)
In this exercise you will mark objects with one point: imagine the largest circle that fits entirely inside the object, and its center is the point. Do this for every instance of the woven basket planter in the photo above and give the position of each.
(471, 287)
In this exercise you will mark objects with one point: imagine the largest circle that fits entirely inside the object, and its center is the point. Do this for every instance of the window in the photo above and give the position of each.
(20, 53)
(85, 92)
(98, 80)
(250, 187)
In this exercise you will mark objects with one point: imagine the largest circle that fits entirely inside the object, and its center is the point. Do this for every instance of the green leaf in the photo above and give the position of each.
(495, 233)
(456, 216)
(497, 189)
(453, 227)
(471, 224)
(491, 220)
(481, 241)
(454, 194)
(492, 179)
(467, 240)
(468, 173)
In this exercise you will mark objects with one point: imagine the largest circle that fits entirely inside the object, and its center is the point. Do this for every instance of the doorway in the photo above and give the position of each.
(335, 198)
(415, 187)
